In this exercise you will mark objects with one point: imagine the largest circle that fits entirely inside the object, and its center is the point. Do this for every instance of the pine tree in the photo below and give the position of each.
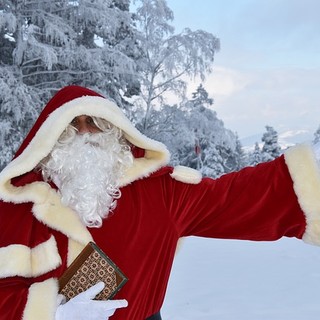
(49, 44)
(201, 97)
(213, 162)
(255, 157)
(236, 157)
(316, 138)
(271, 148)
(18, 109)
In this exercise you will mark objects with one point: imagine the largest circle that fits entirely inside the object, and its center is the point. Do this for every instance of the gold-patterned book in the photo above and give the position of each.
(91, 266)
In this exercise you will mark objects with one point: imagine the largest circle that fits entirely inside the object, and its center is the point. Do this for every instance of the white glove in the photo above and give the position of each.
(83, 307)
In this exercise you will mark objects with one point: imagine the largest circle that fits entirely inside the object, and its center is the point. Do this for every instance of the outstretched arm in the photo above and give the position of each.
(266, 202)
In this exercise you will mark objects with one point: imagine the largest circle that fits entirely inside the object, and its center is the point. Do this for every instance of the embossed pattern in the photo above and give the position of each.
(93, 270)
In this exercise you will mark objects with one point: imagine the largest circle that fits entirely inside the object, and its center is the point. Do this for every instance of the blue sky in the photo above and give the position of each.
(268, 69)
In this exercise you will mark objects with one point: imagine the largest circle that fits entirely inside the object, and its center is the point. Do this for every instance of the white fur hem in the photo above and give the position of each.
(42, 301)
(20, 260)
(305, 173)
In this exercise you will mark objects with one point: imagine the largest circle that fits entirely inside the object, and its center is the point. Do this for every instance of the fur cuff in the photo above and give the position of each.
(186, 175)
(20, 260)
(42, 301)
(305, 173)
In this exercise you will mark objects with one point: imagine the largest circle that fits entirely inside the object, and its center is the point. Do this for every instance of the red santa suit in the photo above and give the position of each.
(40, 237)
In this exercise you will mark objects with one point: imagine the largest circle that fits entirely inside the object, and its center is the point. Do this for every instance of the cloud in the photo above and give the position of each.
(225, 81)
(247, 100)
(267, 71)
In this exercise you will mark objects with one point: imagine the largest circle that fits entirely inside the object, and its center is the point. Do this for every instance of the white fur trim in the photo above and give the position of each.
(48, 208)
(42, 301)
(20, 260)
(187, 175)
(59, 217)
(304, 171)
(74, 248)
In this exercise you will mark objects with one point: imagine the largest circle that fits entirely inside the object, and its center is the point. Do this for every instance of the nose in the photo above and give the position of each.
(83, 128)
(85, 124)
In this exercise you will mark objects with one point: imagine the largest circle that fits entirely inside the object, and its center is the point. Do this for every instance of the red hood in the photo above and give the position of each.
(63, 96)
(69, 102)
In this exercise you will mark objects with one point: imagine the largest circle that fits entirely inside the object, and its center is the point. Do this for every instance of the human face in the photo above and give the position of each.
(85, 124)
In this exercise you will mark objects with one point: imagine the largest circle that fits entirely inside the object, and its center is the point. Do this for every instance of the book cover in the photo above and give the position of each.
(91, 266)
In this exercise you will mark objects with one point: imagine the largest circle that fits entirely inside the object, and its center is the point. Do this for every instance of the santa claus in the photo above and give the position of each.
(85, 173)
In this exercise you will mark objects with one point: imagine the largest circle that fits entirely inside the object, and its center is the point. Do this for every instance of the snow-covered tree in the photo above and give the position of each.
(167, 57)
(60, 42)
(255, 157)
(236, 159)
(14, 121)
(201, 97)
(271, 148)
(110, 48)
(316, 138)
(46, 45)
(220, 149)
(168, 125)
(212, 162)
(195, 136)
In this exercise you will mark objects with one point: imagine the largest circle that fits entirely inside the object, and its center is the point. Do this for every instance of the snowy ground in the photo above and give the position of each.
(242, 280)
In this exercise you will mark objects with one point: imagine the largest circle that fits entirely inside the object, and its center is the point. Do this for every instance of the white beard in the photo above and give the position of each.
(87, 172)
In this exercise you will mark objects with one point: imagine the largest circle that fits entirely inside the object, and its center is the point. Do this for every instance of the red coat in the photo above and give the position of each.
(39, 237)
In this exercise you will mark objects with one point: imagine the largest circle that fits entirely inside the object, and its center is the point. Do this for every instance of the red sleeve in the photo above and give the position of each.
(256, 203)
(29, 260)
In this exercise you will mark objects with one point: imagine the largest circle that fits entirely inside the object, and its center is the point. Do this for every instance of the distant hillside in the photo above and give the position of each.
(286, 139)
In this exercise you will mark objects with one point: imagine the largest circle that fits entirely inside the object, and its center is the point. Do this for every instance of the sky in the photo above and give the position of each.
(267, 71)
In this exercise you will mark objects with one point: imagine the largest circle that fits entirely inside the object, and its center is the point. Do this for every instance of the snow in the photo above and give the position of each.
(229, 279)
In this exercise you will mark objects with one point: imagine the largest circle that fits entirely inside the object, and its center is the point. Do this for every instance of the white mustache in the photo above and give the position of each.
(89, 169)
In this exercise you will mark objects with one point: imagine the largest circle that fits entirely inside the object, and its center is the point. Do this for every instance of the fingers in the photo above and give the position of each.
(61, 299)
(90, 293)
(115, 304)
(110, 304)
(107, 308)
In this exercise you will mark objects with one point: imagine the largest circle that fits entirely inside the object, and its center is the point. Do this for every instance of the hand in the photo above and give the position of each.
(83, 307)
